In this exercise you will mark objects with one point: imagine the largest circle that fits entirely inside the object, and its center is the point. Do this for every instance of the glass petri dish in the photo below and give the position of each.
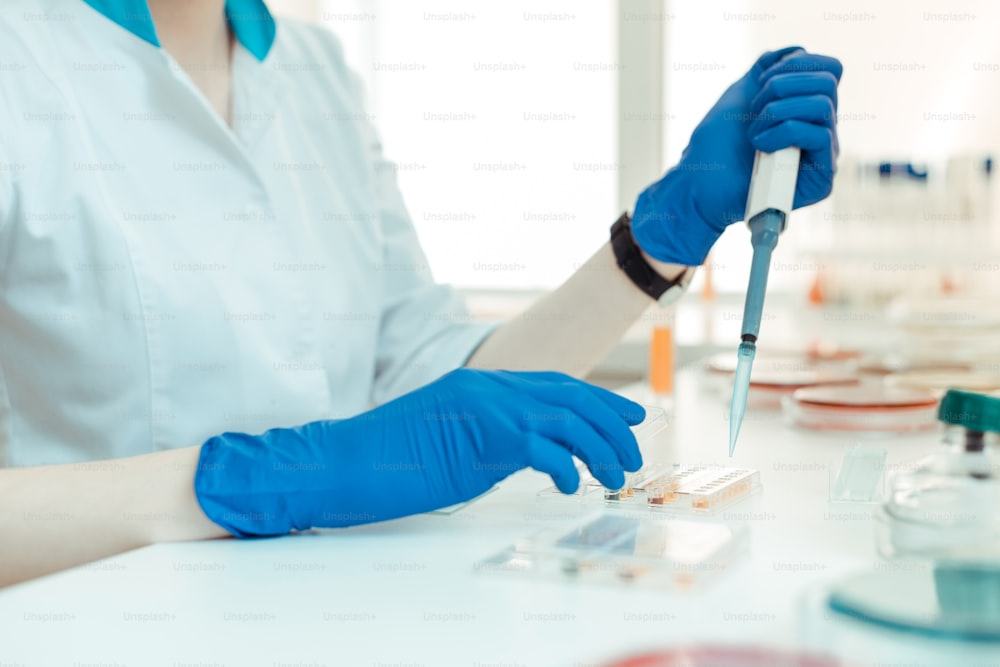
(863, 409)
(768, 386)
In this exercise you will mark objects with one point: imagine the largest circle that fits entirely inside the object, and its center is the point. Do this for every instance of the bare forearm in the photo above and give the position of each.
(55, 517)
(573, 328)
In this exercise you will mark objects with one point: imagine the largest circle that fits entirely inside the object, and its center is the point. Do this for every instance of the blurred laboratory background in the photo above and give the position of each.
(856, 518)
(522, 129)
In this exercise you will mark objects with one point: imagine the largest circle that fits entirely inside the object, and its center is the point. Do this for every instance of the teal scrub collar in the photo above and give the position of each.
(250, 20)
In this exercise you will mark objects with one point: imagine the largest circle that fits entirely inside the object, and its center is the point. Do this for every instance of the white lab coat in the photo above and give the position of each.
(164, 278)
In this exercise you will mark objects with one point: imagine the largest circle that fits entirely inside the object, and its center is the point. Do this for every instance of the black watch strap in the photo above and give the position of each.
(630, 260)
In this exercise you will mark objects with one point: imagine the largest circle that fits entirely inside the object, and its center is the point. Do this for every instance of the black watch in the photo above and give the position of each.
(630, 260)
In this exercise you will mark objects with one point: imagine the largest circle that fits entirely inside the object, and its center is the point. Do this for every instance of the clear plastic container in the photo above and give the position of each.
(655, 421)
(859, 476)
(672, 488)
(609, 548)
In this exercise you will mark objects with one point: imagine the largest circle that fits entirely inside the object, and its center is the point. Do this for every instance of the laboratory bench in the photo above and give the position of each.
(408, 592)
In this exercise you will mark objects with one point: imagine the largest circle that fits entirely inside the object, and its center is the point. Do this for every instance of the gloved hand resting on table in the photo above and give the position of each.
(788, 98)
(443, 444)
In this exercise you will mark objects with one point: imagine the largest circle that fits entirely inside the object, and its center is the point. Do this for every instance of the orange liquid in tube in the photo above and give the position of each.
(661, 360)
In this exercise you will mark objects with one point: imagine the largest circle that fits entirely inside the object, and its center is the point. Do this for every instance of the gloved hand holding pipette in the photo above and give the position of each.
(768, 145)
(788, 98)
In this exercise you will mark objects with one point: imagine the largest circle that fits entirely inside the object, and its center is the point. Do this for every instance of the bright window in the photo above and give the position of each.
(501, 117)
(504, 119)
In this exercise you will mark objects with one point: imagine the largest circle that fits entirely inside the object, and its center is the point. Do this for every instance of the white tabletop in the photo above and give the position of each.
(406, 592)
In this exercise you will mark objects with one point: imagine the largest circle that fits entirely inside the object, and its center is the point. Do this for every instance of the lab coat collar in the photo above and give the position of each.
(252, 23)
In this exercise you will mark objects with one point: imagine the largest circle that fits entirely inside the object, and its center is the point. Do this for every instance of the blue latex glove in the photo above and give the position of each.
(443, 444)
(788, 98)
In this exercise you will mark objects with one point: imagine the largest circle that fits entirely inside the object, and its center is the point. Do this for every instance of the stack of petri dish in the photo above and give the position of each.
(862, 409)
(777, 375)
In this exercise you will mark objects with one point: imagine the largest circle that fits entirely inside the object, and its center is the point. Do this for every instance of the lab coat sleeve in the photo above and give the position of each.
(425, 328)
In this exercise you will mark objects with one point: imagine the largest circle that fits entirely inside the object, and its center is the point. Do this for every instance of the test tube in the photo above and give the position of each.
(661, 361)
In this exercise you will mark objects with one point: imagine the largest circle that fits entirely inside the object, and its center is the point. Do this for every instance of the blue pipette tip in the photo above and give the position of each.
(741, 387)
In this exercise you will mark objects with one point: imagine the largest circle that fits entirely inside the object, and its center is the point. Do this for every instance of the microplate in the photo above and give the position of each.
(674, 488)
(609, 548)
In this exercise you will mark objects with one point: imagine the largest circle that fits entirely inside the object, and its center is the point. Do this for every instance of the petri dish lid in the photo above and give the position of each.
(764, 376)
(857, 398)
(939, 382)
(724, 656)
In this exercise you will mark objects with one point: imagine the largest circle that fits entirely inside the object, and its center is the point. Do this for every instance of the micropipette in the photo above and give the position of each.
(772, 192)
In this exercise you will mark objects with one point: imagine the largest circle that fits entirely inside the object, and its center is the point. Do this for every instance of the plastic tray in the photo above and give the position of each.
(608, 548)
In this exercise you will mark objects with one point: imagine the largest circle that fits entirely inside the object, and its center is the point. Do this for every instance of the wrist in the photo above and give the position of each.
(634, 262)
(666, 270)
(162, 483)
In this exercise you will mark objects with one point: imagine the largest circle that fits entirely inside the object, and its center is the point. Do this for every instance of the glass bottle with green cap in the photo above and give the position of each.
(946, 506)
(972, 421)
(941, 526)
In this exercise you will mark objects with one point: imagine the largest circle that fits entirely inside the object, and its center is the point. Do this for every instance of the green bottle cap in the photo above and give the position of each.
(976, 412)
